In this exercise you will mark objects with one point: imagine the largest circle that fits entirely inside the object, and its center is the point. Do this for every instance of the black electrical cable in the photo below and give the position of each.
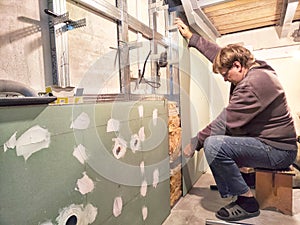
(151, 83)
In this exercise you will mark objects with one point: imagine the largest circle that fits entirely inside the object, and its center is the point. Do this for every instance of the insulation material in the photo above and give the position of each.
(174, 132)
(135, 143)
(154, 116)
(119, 149)
(117, 207)
(174, 152)
(143, 189)
(81, 122)
(175, 143)
(84, 215)
(33, 140)
(80, 153)
(155, 178)
(144, 212)
(85, 184)
(113, 125)
(174, 122)
(175, 185)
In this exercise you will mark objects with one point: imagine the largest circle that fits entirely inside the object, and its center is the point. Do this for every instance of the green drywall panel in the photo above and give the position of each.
(131, 214)
(158, 202)
(38, 189)
(194, 107)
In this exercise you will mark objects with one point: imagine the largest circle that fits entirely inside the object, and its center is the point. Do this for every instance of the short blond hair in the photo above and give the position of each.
(231, 53)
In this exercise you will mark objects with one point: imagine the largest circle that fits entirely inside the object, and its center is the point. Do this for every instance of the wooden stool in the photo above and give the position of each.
(274, 189)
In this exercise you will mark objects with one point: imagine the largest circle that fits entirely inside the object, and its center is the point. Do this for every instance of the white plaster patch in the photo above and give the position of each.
(135, 143)
(155, 178)
(85, 184)
(11, 143)
(84, 215)
(145, 212)
(90, 213)
(154, 116)
(142, 134)
(141, 111)
(142, 167)
(82, 122)
(119, 149)
(143, 189)
(117, 207)
(33, 140)
(46, 223)
(113, 125)
(80, 153)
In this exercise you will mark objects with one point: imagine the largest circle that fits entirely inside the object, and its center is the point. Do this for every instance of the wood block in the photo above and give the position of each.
(274, 189)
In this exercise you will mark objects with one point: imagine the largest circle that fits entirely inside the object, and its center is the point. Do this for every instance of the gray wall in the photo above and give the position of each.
(24, 43)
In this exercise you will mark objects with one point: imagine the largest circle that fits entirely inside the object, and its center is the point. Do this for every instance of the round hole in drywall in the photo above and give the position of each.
(72, 220)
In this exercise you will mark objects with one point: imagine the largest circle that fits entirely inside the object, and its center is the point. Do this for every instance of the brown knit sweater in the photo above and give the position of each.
(257, 106)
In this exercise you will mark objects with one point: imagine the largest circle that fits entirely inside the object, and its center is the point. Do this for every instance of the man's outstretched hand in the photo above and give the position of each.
(184, 29)
(188, 151)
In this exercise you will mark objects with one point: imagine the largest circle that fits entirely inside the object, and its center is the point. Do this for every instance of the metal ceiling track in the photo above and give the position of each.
(286, 18)
(198, 20)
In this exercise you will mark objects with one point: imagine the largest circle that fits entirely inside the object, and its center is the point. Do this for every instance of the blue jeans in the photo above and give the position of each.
(226, 154)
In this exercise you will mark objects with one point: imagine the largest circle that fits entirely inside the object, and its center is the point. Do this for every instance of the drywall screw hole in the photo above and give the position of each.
(72, 220)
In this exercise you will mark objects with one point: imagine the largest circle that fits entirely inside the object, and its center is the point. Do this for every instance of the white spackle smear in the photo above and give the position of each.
(80, 153)
(154, 116)
(142, 167)
(142, 134)
(117, 207)
(155, 178)
(65, 213)
(90, 213)
(141, 111)
(145, 212)
(113, 125)
(33, 140)
(135, 143)
(119, 149)
(143, 189)
(85, 215)
(82, 122)
(85, 184)
(11, 143)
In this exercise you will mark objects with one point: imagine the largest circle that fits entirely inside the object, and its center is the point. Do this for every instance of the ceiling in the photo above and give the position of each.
(220, 17)
(241, 15)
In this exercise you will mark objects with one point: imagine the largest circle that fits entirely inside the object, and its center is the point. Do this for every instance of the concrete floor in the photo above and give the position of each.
(201, 203)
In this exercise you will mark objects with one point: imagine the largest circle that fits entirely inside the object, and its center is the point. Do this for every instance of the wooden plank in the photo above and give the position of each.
(244, 28)
(255, 23)
(238, 6)
(274, 191)
(249, 14)
(235, 16)
(297, 15)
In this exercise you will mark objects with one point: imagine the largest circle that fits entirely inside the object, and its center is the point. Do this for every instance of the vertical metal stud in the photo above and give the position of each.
(123, 49)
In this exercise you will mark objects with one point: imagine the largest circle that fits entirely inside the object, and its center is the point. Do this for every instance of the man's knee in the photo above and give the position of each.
(213, 146)
(213, 142)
